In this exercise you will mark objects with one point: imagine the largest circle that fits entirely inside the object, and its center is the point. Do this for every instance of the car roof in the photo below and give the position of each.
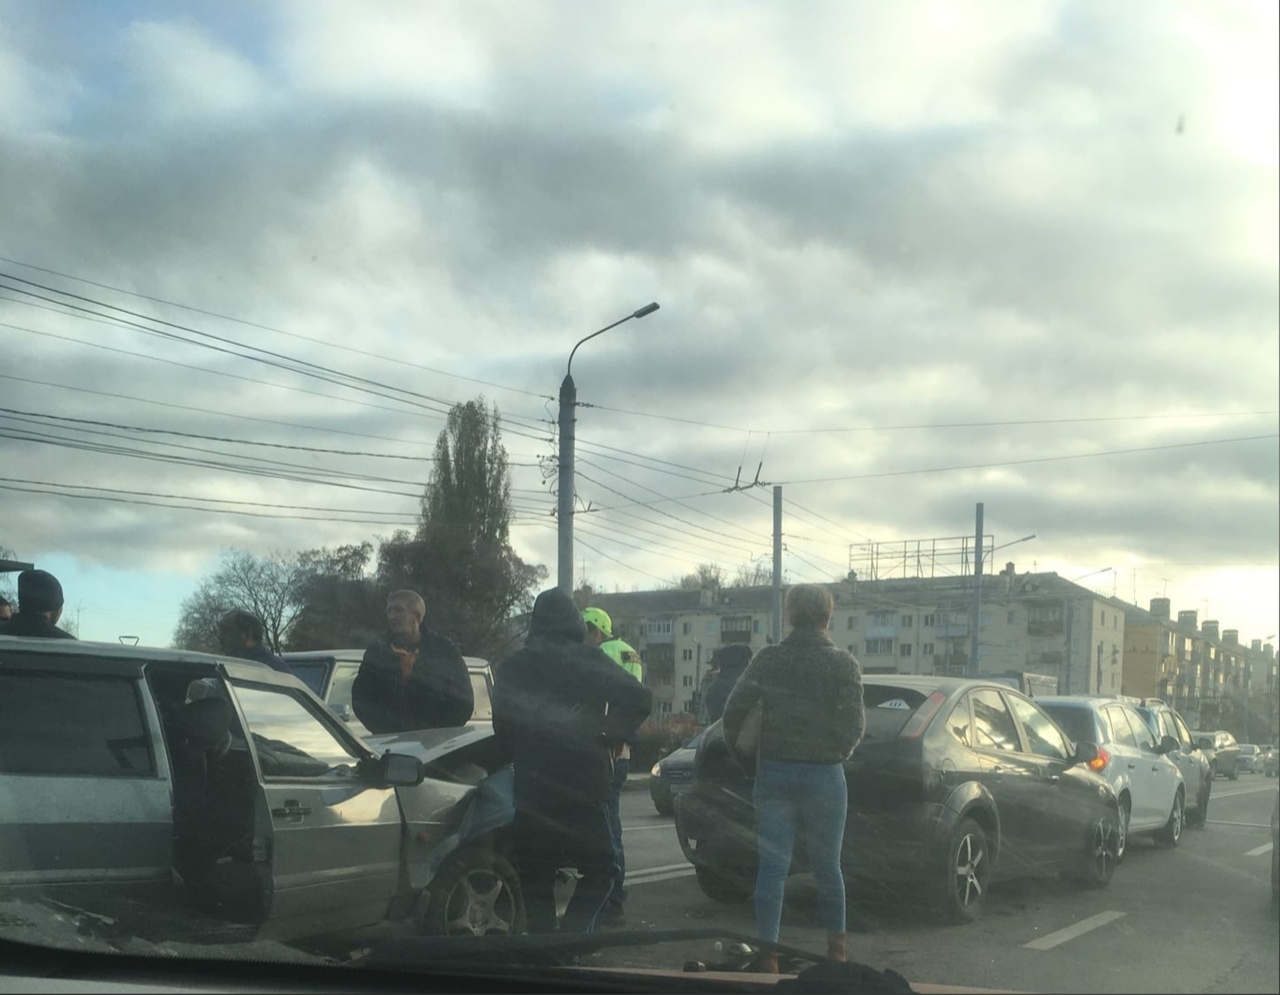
(927, 684)
(356, 655)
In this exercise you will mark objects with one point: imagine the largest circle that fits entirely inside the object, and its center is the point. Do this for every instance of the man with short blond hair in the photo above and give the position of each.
(411, 677)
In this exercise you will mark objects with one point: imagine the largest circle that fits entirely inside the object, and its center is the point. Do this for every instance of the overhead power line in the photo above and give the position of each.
(270, 328)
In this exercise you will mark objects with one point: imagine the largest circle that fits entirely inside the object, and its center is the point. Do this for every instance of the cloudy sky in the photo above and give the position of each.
(910, 256)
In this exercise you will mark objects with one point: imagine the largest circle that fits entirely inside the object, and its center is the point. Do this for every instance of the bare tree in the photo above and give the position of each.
(270, 587)
(757, 573)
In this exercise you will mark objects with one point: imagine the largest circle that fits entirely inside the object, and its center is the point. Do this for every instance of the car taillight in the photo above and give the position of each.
(923, 715)
(1099, 763)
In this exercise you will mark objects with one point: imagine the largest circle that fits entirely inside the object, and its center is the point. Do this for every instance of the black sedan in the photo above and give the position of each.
(957, 782)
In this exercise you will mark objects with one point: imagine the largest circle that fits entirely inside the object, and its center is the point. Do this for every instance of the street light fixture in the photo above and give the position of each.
(564, 505)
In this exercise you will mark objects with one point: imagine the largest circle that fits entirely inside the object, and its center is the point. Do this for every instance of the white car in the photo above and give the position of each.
(1148, 783)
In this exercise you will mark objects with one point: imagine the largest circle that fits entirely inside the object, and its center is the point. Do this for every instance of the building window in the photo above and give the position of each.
(882, 618)
(908, 621)
(853, 622)
(851, 649)
(664, 707)
(757, 626)
(926, 649)
(1013, 618)
(710, 628)
(879, 647)
(686, 628)
(930, 620)
(686, 654)
(687, 681)
(904, 649)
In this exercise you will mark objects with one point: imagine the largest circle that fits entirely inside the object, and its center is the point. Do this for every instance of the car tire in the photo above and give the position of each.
(476, 893)
(1198, 818)
(1172, 831)
(1124, 829)
(665, 807)
(730, 887)
(1098, 865)
(967, 872)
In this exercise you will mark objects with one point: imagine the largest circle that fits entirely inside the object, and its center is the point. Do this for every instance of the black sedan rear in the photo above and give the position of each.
(956, 783)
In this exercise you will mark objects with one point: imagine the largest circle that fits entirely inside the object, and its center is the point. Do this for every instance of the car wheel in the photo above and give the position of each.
(1123, 829)
(476, 893)
(968, 872)
(731, 887)
(1200, 816)
(664, 806)
(1172, 831)
(1099, 864)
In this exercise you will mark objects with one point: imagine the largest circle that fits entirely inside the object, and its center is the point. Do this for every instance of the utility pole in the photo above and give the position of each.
(777, 564)
(976, 617)
(564, 496)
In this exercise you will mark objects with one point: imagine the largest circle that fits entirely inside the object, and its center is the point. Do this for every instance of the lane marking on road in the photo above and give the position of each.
(641, 872)
(636, 829)
(1237, 792)
(1258, 851)
(1071, 932)
(1245, 825)
(687, 872)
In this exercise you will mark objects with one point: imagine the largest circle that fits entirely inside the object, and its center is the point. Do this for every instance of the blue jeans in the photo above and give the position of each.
(815, 796)
(621, 768)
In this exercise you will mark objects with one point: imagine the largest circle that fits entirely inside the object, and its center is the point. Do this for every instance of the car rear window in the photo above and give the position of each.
(1075, 720)
(72, 725)
(311, 673)
(888, 708)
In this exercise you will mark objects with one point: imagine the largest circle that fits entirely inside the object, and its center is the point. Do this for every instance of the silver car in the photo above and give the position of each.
(1149, 785)
(227, 790)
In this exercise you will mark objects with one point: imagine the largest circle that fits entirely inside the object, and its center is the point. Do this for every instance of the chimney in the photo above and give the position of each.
(1209, 630)
(1187, 619)
(1268, 652)
(1231, 637)
(1256, 646)
(1160, 608)
(1009, 569)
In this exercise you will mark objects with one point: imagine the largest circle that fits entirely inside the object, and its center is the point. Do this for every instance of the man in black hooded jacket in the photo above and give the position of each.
(562, 710)
(732, 661)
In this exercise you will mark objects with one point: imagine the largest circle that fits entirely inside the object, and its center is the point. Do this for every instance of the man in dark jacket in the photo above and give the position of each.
(39, 607)
(732, 661)
(562, 710)
(411, 678)
(241, 634)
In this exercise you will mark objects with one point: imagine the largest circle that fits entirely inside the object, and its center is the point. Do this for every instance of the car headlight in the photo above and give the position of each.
(656, 769)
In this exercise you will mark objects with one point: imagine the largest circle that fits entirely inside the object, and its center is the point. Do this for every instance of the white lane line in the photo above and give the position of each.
(636, 829)
(1246, 825)
(688, 872)
(1071, 932)
(1258, 851)
(642, 871)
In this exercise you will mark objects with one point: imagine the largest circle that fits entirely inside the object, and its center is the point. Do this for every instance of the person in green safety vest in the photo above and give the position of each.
(600, 634)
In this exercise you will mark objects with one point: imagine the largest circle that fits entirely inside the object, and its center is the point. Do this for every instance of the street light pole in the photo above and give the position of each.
(564, 498)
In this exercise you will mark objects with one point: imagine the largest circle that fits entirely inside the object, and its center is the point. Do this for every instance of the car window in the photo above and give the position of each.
(311, 673)
(1043, 736)
(78, 725)
(483, 711)
(888, 708)
(1121, 731)
(289, 739)
(1140, 731)
(344, 677)
(993, 725)
(1076, 721)
(1184, 734)
(958, 722)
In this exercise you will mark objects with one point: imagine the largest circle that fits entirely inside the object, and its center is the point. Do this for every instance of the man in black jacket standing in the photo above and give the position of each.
(39, 607)
(562, 710)
(411, 678)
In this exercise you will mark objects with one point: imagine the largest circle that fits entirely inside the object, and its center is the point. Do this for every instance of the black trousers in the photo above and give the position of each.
(580, 838)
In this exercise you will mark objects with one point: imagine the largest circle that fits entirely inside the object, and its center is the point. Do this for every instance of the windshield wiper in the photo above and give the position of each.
(814, 972)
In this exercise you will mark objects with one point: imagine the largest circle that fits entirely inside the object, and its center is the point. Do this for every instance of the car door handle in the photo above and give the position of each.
(1132, 766)
(291, 810)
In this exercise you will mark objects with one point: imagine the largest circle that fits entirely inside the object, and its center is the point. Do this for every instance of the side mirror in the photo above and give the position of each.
(1086, 753)
(341, 711)
(397, 770)
(1167, 745)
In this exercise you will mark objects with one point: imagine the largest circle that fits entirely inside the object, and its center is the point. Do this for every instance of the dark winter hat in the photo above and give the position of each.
(733, 659)
(38, 591)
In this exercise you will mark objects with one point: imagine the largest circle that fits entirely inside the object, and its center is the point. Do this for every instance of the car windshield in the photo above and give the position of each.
(420, 419)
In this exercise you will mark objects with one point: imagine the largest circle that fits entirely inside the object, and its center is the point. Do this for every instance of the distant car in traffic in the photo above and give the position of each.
(1269, 761)
(1149, 784)
(1193, 762)
(331, 674)
(956, 783)
(1224, 750)
(228, 787)
(1250, 758)
(673, 775)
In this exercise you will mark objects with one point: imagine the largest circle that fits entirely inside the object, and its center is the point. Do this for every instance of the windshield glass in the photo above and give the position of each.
(419, 421)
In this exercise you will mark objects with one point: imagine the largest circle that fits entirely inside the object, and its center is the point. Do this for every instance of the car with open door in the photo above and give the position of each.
(228, 790)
